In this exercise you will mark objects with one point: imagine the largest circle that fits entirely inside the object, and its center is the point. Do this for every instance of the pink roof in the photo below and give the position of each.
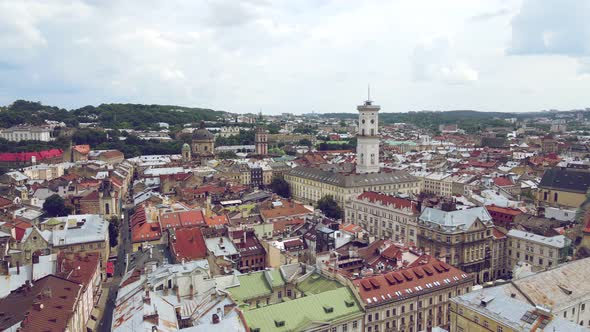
(503, 182)
(26, 156)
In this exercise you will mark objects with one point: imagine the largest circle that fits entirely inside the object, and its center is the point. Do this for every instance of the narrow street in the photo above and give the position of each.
(124, 247)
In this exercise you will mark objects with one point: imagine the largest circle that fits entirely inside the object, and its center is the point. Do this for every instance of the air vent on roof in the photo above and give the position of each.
(390, 279)
(328, 310)
(279, 323)
(349, 303)
(375, 283)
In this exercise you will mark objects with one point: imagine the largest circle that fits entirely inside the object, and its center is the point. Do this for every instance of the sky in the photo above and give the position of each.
(298, 56)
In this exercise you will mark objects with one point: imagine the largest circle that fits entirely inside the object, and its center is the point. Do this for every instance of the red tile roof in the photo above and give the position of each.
(141, 230)
(289, 209)
(405, 283)
(170, 220)
(46, 306)
(383, 199)
(217, 220)
(498, 234)
(503, 182)
(351, 228)
(79, 268)
(4, 202)
(192, 217)
(83, 148)
(26, 156)
(282, 225)
(189, 244)
(504, 210)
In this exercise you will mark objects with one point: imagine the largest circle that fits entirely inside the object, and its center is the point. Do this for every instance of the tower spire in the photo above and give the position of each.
(368, 102)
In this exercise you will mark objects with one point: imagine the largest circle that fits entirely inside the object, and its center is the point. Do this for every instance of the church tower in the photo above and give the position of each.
(367, 147)
(186, 152)
(261, 140)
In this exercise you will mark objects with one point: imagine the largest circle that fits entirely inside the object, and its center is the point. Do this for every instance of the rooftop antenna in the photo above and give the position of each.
(368, 102)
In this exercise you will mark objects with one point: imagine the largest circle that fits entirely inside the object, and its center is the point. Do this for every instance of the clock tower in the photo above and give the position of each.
(367, 148)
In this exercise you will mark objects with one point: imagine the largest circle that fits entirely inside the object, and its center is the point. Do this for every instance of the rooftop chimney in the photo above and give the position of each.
(4, 270)
(215, 319)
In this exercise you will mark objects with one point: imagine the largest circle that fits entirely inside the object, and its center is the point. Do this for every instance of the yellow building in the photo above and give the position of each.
(563, 187)
(310, 184)
(528, 304)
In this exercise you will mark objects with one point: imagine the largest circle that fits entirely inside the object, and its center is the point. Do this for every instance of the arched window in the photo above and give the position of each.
(372, 132)
(362, 158)
(372, 159)
(363, 132)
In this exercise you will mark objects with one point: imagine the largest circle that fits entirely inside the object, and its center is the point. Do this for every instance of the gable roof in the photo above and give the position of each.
(566, 180)
(398, 285)
(189, 244)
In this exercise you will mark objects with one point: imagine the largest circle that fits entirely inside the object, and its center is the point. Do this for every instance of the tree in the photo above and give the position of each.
(54, 206)
(280, 187)
(305, 142)
(329, 207)
(227, 155)
(114, 231)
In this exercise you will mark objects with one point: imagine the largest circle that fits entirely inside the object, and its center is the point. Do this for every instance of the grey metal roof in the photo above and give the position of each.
(558, 241)
(509, 311)
(352, 180)
(566, 179)
(455, 220)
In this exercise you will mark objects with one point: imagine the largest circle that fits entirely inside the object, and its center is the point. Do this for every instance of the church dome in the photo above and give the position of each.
(186, 147)
(202, 133)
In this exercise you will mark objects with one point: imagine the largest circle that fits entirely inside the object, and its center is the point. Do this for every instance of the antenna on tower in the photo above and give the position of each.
(368, 102)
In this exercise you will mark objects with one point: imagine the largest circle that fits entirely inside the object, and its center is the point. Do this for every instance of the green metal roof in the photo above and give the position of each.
(276, 279)
(298, 314)
(251, 286)
(316, 284)
(394, 142)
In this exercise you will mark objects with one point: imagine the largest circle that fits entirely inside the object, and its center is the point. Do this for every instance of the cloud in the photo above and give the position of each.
(489, 15)
(547, 27)
(282, 55)
(434, 61)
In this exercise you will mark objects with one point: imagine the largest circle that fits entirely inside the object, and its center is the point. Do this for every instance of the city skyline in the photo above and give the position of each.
(496, 55)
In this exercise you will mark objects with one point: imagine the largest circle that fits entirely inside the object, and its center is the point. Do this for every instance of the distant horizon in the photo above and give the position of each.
(382, 111)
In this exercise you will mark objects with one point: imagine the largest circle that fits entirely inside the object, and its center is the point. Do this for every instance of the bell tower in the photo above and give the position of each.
(261, 140)
(367, 148)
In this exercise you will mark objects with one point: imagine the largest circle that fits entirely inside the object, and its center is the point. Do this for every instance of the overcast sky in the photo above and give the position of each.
(298, 55)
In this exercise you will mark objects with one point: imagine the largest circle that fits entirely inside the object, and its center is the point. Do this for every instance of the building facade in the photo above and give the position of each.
(310, 184)
(413, 299)
(539, 251)
(384, 216)
(26, 133)
(462, 238)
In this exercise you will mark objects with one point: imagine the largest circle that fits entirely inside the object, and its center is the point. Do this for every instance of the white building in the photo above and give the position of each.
(26, 133)
(540, 251)
(367, 148)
